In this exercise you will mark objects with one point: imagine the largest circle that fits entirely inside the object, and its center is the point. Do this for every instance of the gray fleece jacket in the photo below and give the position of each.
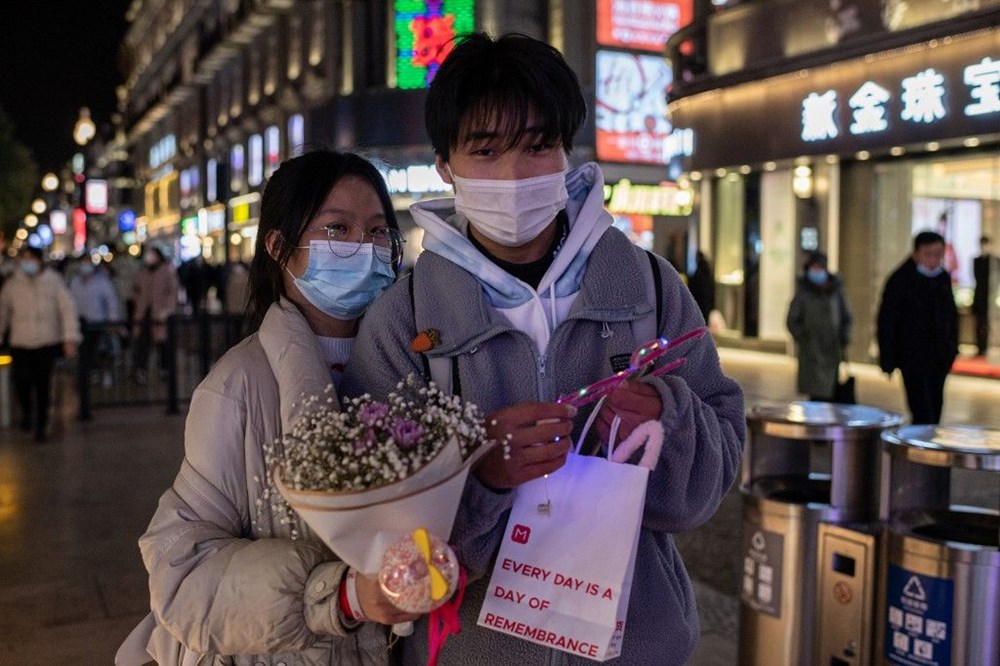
(500, 365)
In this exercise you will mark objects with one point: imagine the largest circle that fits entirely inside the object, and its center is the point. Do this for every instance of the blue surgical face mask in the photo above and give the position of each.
(344, 286)
(929, 272)
(816, 275)
(30, 267)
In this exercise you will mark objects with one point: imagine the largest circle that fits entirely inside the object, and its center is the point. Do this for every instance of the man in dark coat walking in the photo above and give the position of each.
(981, 267)
(918, 327)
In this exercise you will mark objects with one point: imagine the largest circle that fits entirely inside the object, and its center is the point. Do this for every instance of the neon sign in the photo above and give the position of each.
(922, 99)
(425, 34)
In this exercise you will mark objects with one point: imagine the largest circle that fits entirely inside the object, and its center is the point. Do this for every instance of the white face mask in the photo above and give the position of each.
(511, 212)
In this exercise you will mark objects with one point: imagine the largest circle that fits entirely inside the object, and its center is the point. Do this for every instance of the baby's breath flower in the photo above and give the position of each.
(369, 443)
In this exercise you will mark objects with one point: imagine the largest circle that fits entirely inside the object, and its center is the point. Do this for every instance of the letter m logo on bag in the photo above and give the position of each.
(520, 533)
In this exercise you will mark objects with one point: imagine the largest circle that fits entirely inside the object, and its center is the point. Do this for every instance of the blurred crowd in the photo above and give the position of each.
(108, 313)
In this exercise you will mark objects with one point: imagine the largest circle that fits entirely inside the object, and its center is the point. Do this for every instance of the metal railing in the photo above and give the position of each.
(120, 365)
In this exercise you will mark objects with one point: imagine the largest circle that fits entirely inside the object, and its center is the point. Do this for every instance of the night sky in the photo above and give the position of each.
(56, 56)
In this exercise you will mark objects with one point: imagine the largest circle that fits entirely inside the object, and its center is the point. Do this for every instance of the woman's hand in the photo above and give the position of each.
(375, 605)
(532, 438)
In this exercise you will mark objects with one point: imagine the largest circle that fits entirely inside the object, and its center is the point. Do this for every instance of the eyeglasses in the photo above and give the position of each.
(642, 358)
(345, 240)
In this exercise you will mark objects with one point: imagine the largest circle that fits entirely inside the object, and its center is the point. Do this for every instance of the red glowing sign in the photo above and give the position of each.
(643, 25)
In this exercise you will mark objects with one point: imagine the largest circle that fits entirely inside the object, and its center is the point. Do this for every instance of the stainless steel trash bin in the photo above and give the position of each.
(807, 464)
(940, 593)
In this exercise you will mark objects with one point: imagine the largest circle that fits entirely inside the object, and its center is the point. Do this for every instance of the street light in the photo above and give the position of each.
(84, 130)
(50, 182)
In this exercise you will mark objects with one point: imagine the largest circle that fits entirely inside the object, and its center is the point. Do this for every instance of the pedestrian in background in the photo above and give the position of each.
(38, 315)
(918, 327)
(155, 291)
(820, 323)
(97, 305)
(982, 267)
(702, 284)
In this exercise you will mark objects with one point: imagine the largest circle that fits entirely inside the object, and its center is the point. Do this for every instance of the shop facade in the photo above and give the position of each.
(851, 157)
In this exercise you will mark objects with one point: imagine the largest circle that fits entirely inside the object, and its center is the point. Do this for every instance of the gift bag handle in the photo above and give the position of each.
(590, 421)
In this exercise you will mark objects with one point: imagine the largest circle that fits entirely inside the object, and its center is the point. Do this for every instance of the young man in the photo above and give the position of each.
(532, 295)
(918, 327)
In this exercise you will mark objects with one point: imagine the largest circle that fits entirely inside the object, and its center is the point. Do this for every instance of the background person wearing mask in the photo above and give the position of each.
(154, 291)
(228, 584)
(38, 315)
(97, 304)
(534, 293)
(918, 327)
(820, 322)
(983, 269)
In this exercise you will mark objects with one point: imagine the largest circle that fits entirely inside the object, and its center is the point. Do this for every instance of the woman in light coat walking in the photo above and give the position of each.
(39, 320)
(820, 322)
(228, 582)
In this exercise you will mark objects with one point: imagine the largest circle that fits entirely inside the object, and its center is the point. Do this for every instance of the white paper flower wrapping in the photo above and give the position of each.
(360, 525)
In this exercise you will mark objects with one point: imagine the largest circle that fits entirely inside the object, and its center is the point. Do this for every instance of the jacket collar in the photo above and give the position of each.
(612, 289)
(295, 358)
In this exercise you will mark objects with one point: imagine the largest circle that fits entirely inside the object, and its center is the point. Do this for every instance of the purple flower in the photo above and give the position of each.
(406, 432)
(365, 442)
(372, 412)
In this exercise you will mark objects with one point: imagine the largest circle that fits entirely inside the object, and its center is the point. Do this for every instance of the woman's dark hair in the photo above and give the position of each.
(487, 84)
(291, 198)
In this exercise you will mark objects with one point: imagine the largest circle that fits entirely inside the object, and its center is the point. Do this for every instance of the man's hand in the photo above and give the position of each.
(375, 605)
(537, 438)
(69, 349)
(634, 402)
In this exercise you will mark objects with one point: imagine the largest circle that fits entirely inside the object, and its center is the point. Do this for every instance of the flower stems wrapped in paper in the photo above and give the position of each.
(380, 484)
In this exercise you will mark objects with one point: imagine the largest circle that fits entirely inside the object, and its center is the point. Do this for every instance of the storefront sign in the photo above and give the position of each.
(631, 120)
(95, 196)
(417, 179)
(162, 151)
(924, 93)
(643, 25)
(919, 98)
(662, 199)
(425, 35)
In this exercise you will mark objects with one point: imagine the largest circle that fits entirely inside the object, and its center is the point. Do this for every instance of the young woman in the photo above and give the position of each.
(226, 578)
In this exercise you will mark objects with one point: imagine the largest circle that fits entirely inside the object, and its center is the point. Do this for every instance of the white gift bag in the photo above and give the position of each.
(563, 574)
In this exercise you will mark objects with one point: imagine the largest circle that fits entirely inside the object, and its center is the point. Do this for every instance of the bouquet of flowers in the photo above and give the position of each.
(380, 483)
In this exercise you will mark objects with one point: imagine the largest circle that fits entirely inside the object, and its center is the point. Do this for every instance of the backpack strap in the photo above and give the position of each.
(442, 370)
(647, 327)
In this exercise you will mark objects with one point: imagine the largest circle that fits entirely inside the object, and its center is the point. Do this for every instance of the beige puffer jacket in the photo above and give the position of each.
(225, 577)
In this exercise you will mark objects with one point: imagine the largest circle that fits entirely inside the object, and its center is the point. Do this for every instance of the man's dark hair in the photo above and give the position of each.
(487, 84)
(926, 238)
(291, 198)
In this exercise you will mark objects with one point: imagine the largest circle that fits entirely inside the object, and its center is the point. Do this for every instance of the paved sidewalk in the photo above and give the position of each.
(71, 579)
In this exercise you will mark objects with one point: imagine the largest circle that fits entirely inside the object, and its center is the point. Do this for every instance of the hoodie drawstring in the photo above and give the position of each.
(606, 332)
(552, 306)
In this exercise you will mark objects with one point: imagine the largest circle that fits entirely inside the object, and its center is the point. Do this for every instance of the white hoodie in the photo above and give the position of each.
(536, 312)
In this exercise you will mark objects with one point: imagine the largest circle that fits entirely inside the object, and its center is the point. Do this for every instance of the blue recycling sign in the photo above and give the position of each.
(918, 623)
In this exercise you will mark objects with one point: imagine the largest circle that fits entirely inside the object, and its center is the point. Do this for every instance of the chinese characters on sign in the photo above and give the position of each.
(922, 98)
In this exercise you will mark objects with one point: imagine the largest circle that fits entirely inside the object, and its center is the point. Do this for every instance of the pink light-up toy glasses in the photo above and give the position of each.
(641, 358)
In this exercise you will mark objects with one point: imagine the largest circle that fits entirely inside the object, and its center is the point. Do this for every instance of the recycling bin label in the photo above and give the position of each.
(918, 623)
(763, 553)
